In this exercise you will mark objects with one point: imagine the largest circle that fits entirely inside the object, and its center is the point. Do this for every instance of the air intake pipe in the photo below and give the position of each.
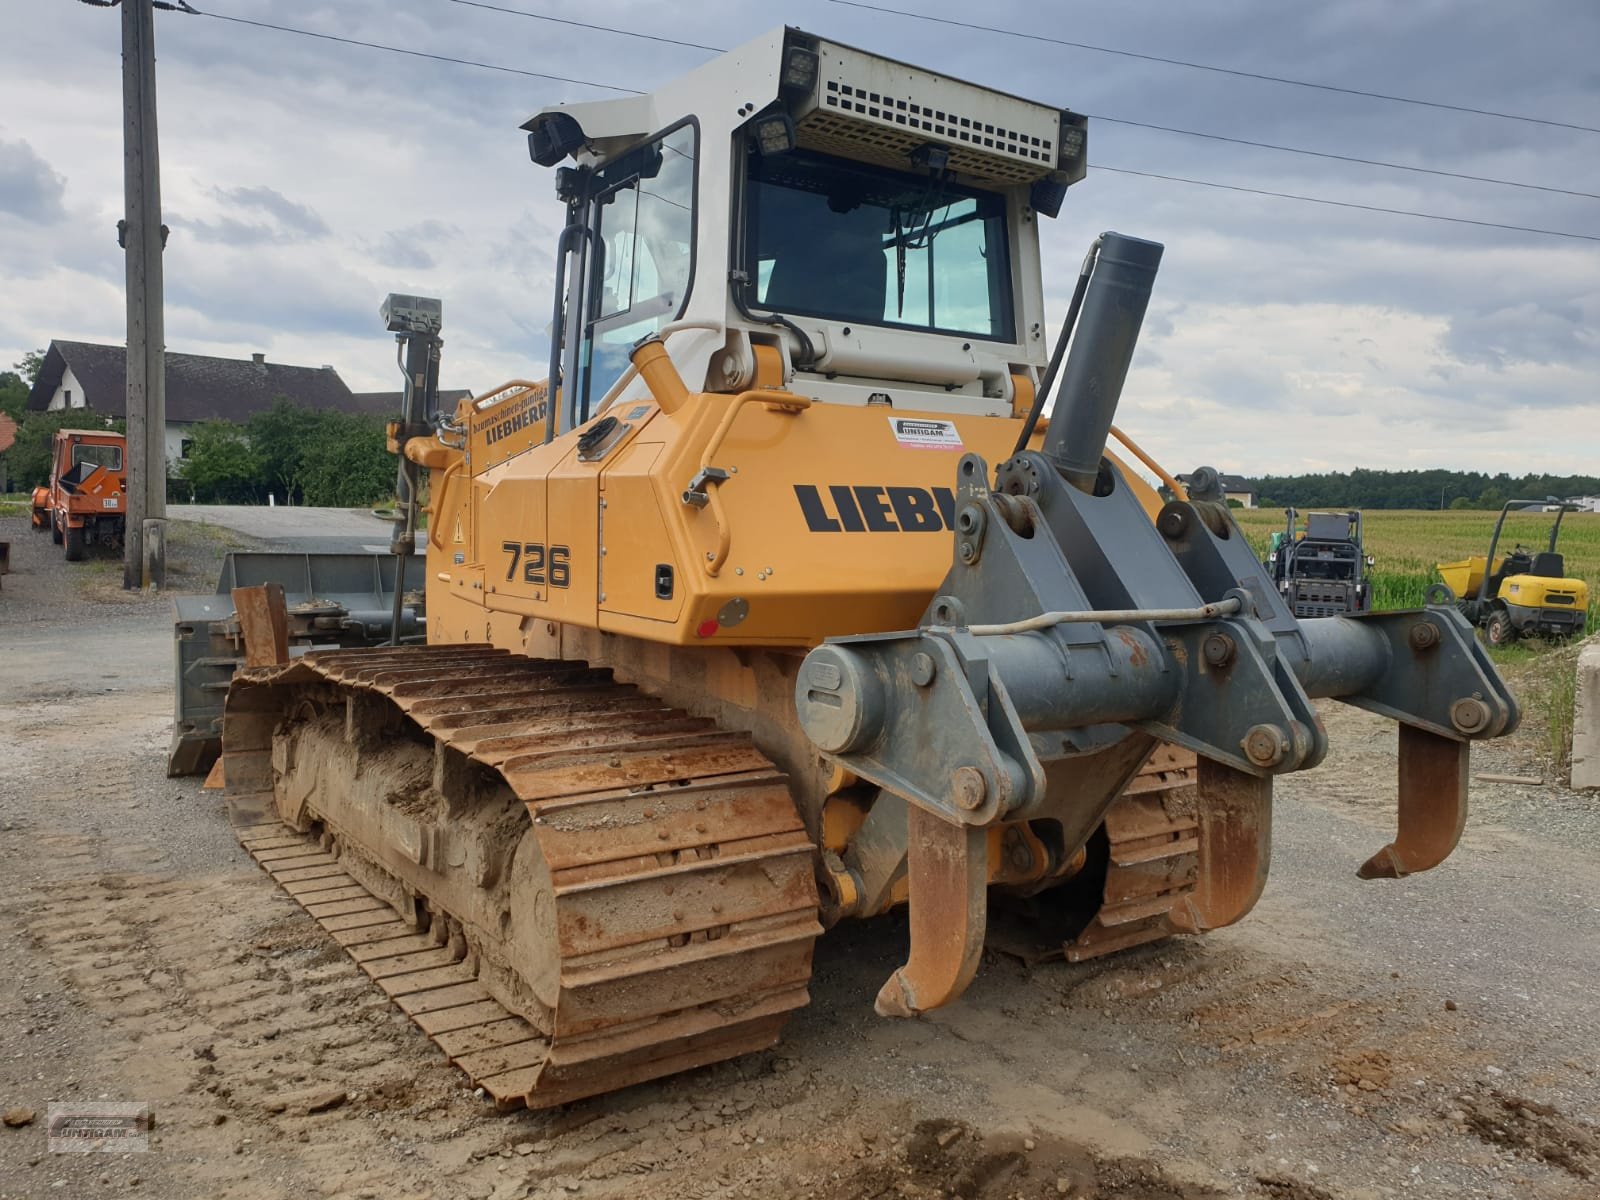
(1102, 347)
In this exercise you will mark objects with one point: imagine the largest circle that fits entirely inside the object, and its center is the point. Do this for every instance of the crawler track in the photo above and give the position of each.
(1152, 858)
(654, 911)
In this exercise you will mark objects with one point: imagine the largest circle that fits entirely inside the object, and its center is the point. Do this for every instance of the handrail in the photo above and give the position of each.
(493, 396)
(1179, 492)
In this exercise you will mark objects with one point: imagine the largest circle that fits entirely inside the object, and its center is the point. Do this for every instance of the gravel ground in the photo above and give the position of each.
(45, 591)
(1428, 1037)
(348, 530)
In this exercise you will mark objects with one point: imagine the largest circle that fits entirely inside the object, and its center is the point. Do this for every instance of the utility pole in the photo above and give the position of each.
(144, 544)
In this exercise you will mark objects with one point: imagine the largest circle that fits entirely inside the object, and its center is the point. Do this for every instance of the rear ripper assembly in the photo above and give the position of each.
(1067, 618)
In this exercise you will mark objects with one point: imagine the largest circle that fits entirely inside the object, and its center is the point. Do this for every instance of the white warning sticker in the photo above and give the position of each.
(924, 433)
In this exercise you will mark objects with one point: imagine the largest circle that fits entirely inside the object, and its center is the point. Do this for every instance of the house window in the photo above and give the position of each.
(186, 445)
(67, 403)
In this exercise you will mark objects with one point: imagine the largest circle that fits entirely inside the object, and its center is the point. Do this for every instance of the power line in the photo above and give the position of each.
(1399, 212)
(1197, 66)
(1214, 137)
(468, 62)
(464, 62)
(1369, 162)
(649, 37)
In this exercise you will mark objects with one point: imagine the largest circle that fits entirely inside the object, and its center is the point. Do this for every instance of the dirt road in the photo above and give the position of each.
(1432, 1037)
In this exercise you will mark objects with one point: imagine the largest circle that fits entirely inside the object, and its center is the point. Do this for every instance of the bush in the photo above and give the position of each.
(301, 455)
(222, 468)
(348, 464)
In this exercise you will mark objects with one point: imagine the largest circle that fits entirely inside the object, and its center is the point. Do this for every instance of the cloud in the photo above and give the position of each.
(292, 217)
(278, 219)
(29, 187)
(1528, 333)
(415, 246)
(1282, 334)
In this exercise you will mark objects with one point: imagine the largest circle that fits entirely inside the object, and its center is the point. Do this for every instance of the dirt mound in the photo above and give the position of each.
(1534, 1130)
(944, 1158)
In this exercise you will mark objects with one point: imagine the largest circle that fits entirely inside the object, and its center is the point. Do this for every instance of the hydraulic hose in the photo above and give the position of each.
(1110, 616)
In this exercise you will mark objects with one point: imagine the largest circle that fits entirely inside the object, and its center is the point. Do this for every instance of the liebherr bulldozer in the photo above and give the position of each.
(781, 603)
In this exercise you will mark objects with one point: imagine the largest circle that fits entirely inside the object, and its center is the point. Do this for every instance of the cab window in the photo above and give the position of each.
(641, 257)
(846, 241)
(109, 457)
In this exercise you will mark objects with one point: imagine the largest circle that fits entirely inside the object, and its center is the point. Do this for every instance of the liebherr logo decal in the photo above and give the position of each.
(528, 410)
(863, 508)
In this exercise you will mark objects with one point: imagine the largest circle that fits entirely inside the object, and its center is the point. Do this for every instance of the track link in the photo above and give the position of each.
(1153, 858)
(675, 873)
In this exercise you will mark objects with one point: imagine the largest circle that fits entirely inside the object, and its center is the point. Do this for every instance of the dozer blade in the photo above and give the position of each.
(1433, 805)
(947, 868)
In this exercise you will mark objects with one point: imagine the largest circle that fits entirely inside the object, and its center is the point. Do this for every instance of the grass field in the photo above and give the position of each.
(1407, 545)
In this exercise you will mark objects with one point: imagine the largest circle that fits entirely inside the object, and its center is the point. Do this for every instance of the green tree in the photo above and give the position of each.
(347, 464)
(30, 365)
(1363, 488)
(280, 437)
(222, 467)
(13, 394)
(1460, 502)
(28, 462)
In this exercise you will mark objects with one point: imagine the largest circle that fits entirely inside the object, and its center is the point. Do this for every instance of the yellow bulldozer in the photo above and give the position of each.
(781, 603)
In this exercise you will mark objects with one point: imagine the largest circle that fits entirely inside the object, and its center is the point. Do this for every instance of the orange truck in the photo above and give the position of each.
(87, 498)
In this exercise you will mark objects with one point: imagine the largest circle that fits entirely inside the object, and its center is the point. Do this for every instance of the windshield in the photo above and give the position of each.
(109, 457)
(850, 242)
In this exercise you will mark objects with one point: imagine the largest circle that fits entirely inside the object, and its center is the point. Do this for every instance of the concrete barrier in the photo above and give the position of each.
(1586, 720)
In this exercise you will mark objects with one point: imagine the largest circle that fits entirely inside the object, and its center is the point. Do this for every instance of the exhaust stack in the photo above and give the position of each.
(1102, 347)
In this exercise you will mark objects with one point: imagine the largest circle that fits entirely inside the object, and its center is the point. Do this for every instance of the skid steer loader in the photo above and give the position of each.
(781, 603)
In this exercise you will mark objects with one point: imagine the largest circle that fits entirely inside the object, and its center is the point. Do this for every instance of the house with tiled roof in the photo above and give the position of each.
(388, 403)
(200, 387)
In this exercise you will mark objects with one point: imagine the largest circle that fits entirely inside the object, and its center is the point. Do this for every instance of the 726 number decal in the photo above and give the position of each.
(539, 564)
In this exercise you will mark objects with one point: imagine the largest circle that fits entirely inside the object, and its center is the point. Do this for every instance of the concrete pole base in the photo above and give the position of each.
(153, 552)
(1586, 720)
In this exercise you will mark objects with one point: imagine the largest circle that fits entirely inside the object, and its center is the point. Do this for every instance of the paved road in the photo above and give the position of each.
(343, 530)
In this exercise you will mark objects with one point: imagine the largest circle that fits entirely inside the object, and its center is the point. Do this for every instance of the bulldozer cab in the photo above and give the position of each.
(867, 227)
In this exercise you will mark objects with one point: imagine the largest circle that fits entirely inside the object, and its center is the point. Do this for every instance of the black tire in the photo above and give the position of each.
(1500, 631)
(75, 552)
(55, 532)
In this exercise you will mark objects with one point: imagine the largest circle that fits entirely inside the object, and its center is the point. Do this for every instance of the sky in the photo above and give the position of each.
(305, 179)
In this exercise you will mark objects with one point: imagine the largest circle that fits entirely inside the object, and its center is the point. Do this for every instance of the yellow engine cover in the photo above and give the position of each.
(1535, 591)
(817, 521)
